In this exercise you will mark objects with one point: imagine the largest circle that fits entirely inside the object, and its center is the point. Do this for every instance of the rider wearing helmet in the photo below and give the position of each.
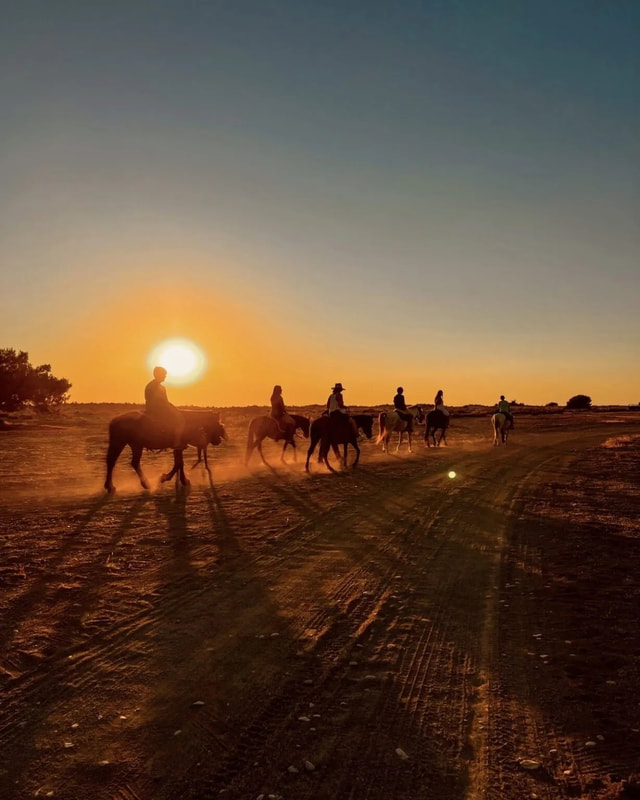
(503, 408)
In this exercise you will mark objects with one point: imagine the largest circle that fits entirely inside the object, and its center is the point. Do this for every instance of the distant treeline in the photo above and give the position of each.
(22, 384)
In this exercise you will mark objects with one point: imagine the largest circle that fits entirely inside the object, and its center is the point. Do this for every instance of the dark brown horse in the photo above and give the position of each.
(140, 432)
(331, 436)
(261, 428)
(437, 420)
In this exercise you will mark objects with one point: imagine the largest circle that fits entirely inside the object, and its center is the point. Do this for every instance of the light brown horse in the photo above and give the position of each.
(138, 430)
(261, 428)
(501, 425)
(391, 421)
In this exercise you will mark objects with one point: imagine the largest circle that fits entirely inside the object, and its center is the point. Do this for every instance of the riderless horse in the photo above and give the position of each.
(391, 421)
(437, 420)
(139, 430)
(264, 427)
(501, 425)
(331, 436)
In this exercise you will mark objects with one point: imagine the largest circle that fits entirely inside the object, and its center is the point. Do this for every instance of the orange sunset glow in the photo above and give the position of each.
(320, 400)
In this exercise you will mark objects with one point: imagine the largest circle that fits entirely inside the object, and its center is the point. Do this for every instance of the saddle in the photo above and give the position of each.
(340, 424)
(405, 416)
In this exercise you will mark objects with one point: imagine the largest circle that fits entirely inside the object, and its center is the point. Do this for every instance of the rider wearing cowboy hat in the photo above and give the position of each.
(336, 407)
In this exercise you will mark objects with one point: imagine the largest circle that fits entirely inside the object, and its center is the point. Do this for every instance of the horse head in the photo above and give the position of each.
(303, 424)
(419, 414)
(365, 423)
(215, 429)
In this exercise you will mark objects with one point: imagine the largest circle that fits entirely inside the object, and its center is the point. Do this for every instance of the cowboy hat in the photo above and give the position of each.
(338, 387)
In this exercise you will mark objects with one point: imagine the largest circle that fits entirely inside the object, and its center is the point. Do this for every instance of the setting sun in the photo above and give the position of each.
(184, 361)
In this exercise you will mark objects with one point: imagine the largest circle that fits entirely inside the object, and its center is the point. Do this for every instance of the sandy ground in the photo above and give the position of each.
(385, 632)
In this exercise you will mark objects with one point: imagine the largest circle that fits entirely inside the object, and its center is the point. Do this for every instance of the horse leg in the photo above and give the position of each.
(251, 443)
(312, 447)
(259, 449)
(324, 454)
(136, 455)
(399, 441)
(344, 461)
(179, 459)
(409, 437)
(357, 449)
(166, 476)
(115, 448)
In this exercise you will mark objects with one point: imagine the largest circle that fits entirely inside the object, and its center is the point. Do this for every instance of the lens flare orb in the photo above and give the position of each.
(452, 474)
(183, 359)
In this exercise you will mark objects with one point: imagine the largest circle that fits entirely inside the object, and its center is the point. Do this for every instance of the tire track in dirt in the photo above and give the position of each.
(527, 692)
(425, 665)
(79, 665)
(429, 653)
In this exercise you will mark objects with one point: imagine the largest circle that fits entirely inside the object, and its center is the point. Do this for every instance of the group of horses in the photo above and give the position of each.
(203, 428)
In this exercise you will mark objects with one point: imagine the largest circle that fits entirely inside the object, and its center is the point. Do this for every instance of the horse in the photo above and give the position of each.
(437, 420)
(138, 430)
(321, 431)
(262, 427)
(501, 426)
(391, 421)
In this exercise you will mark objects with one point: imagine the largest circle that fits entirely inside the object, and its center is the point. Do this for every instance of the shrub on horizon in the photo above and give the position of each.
(579, 401)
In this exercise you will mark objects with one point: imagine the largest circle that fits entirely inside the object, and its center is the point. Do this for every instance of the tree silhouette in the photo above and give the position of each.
(22, 384)
(579, 401)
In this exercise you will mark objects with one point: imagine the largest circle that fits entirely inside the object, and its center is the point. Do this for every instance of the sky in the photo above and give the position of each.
(438, 195)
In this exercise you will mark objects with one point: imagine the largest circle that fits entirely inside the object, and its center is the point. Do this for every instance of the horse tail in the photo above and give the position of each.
(250, 442)
(382, 423)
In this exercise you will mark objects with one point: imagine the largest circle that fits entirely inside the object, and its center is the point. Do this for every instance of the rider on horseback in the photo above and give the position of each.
(438, 403)
(159, 409)
(286, 423)
(400, 407)
(338, 412)
(503, 408)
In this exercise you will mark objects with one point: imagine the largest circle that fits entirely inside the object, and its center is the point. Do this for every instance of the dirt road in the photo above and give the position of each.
(389, 632)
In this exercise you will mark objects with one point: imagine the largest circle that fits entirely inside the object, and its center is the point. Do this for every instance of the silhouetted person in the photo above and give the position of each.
(438, 403)
(286, 423)
(400, 406)
(159, 408)
(338, 412)
(503, 408)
